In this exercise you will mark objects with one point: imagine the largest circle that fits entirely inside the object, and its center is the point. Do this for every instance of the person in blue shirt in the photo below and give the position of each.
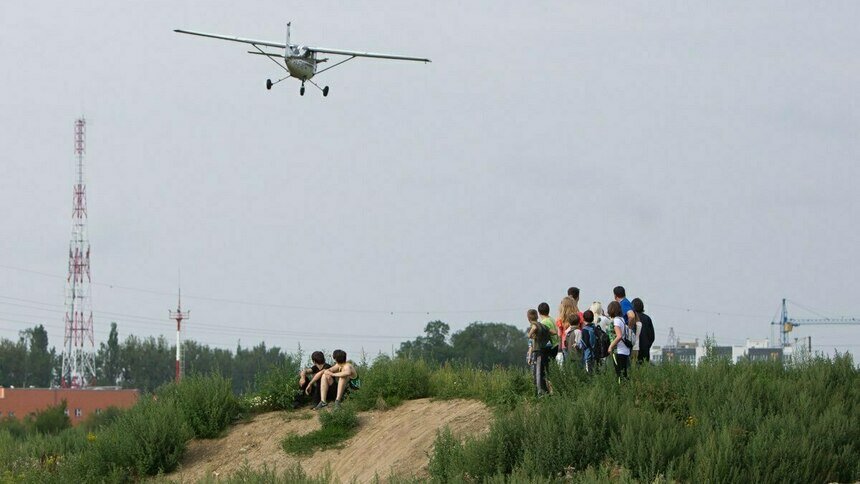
(626, 306)
(588, 341)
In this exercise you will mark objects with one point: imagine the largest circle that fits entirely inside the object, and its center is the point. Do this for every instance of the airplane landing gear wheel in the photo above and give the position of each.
(268, 84)
(325, 91)
(302, 90)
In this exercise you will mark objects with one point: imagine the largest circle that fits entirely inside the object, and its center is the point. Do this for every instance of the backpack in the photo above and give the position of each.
(542, 336)
(601, 343)
(586, 342)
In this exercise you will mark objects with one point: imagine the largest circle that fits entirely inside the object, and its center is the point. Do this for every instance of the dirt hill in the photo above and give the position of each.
(397, 440)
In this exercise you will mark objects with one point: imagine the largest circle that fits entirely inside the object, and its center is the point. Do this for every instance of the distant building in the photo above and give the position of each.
(691, 353)
(722, 352)
(765, 354)
(679, 355)
(80, 403)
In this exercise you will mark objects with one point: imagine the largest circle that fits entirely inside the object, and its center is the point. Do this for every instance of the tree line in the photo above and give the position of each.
(142, 363)
(146, 363)
(484, 345)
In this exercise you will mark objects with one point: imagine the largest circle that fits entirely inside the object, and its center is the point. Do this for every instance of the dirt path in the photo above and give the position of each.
(397, 440)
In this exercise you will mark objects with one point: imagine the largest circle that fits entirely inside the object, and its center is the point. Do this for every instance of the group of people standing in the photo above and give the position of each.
(586, 339)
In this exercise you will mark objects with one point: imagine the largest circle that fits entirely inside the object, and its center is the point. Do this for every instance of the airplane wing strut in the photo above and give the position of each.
(271, 58)
(335, 65)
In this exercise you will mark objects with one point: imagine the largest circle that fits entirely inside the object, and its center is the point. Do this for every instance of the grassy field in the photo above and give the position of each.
(719, 422)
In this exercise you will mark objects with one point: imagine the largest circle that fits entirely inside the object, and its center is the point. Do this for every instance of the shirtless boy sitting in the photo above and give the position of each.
(343, 371)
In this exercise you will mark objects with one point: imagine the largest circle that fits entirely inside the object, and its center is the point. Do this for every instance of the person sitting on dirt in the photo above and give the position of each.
(308, 383)
(344, 372)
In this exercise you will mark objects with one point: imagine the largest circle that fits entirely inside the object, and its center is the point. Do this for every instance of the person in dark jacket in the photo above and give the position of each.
(309, 384)
(646, 338)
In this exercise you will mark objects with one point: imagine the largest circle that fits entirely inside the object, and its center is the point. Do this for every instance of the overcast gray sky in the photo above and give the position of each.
(704, 155)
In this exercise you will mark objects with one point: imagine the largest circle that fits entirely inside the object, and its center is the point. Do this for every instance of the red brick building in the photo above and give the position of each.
(80, 403)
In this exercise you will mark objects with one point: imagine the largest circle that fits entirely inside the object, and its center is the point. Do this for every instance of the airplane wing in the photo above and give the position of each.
(231, 38)
(326, 50)
(323, 50)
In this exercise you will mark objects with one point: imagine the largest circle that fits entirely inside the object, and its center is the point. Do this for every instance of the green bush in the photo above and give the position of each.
(16, 428)
(266, 475)
(391, 381)
(40, 457)
(344, 417)
(503, 387)
(277, 388)
(147, 439)
(207, 403)
(337, 425)
(52, 420)
(97, 421)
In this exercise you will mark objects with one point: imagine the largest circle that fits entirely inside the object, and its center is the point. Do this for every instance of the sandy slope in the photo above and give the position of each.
(396, 440)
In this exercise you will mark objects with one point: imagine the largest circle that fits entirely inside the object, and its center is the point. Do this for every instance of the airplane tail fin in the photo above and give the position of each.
(288, 49)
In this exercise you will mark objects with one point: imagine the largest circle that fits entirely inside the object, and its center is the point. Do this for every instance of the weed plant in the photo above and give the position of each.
(97, 421)
(277, 389)
(148, 439)
(336, 426)
(34, 458)
(16, 428)
(391, 381)
(720, 422)
(266, 475)
(52, 420)
(501, 387)
(207, 403)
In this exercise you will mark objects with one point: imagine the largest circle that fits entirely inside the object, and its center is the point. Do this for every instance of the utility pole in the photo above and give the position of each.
(179, 316)
(79, 368)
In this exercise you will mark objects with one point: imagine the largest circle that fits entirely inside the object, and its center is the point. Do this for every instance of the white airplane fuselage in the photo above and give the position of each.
(300, 67)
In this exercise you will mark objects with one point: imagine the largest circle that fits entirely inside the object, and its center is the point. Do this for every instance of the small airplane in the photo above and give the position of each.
(299, 61)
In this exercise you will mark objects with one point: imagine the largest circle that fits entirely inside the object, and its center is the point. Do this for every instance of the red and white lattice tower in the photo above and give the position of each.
(179, 316)
(79, 368)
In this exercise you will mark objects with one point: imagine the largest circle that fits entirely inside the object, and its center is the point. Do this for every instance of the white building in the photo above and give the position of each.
(692, 352)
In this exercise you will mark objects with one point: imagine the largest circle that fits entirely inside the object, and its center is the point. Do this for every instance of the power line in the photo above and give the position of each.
(223, 328)
(705, 311)
(367, 310)
(279, 305)
(233, 328)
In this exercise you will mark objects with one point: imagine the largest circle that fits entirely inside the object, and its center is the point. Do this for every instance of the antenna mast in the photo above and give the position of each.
(178, 315)
(672, 340)
(78, 370)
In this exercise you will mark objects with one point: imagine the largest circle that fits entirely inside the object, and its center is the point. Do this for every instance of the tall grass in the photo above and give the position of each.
(391, 381)
(207, 403)
(719, 422)
(146, 440)
(504, 387)
(277, 388)
(40, 457)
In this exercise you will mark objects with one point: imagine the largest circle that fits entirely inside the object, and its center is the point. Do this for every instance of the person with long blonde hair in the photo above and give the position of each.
(600, 318)
(566, 309)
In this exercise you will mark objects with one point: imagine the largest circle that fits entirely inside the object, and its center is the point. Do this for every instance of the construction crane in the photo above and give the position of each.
(786, 323)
